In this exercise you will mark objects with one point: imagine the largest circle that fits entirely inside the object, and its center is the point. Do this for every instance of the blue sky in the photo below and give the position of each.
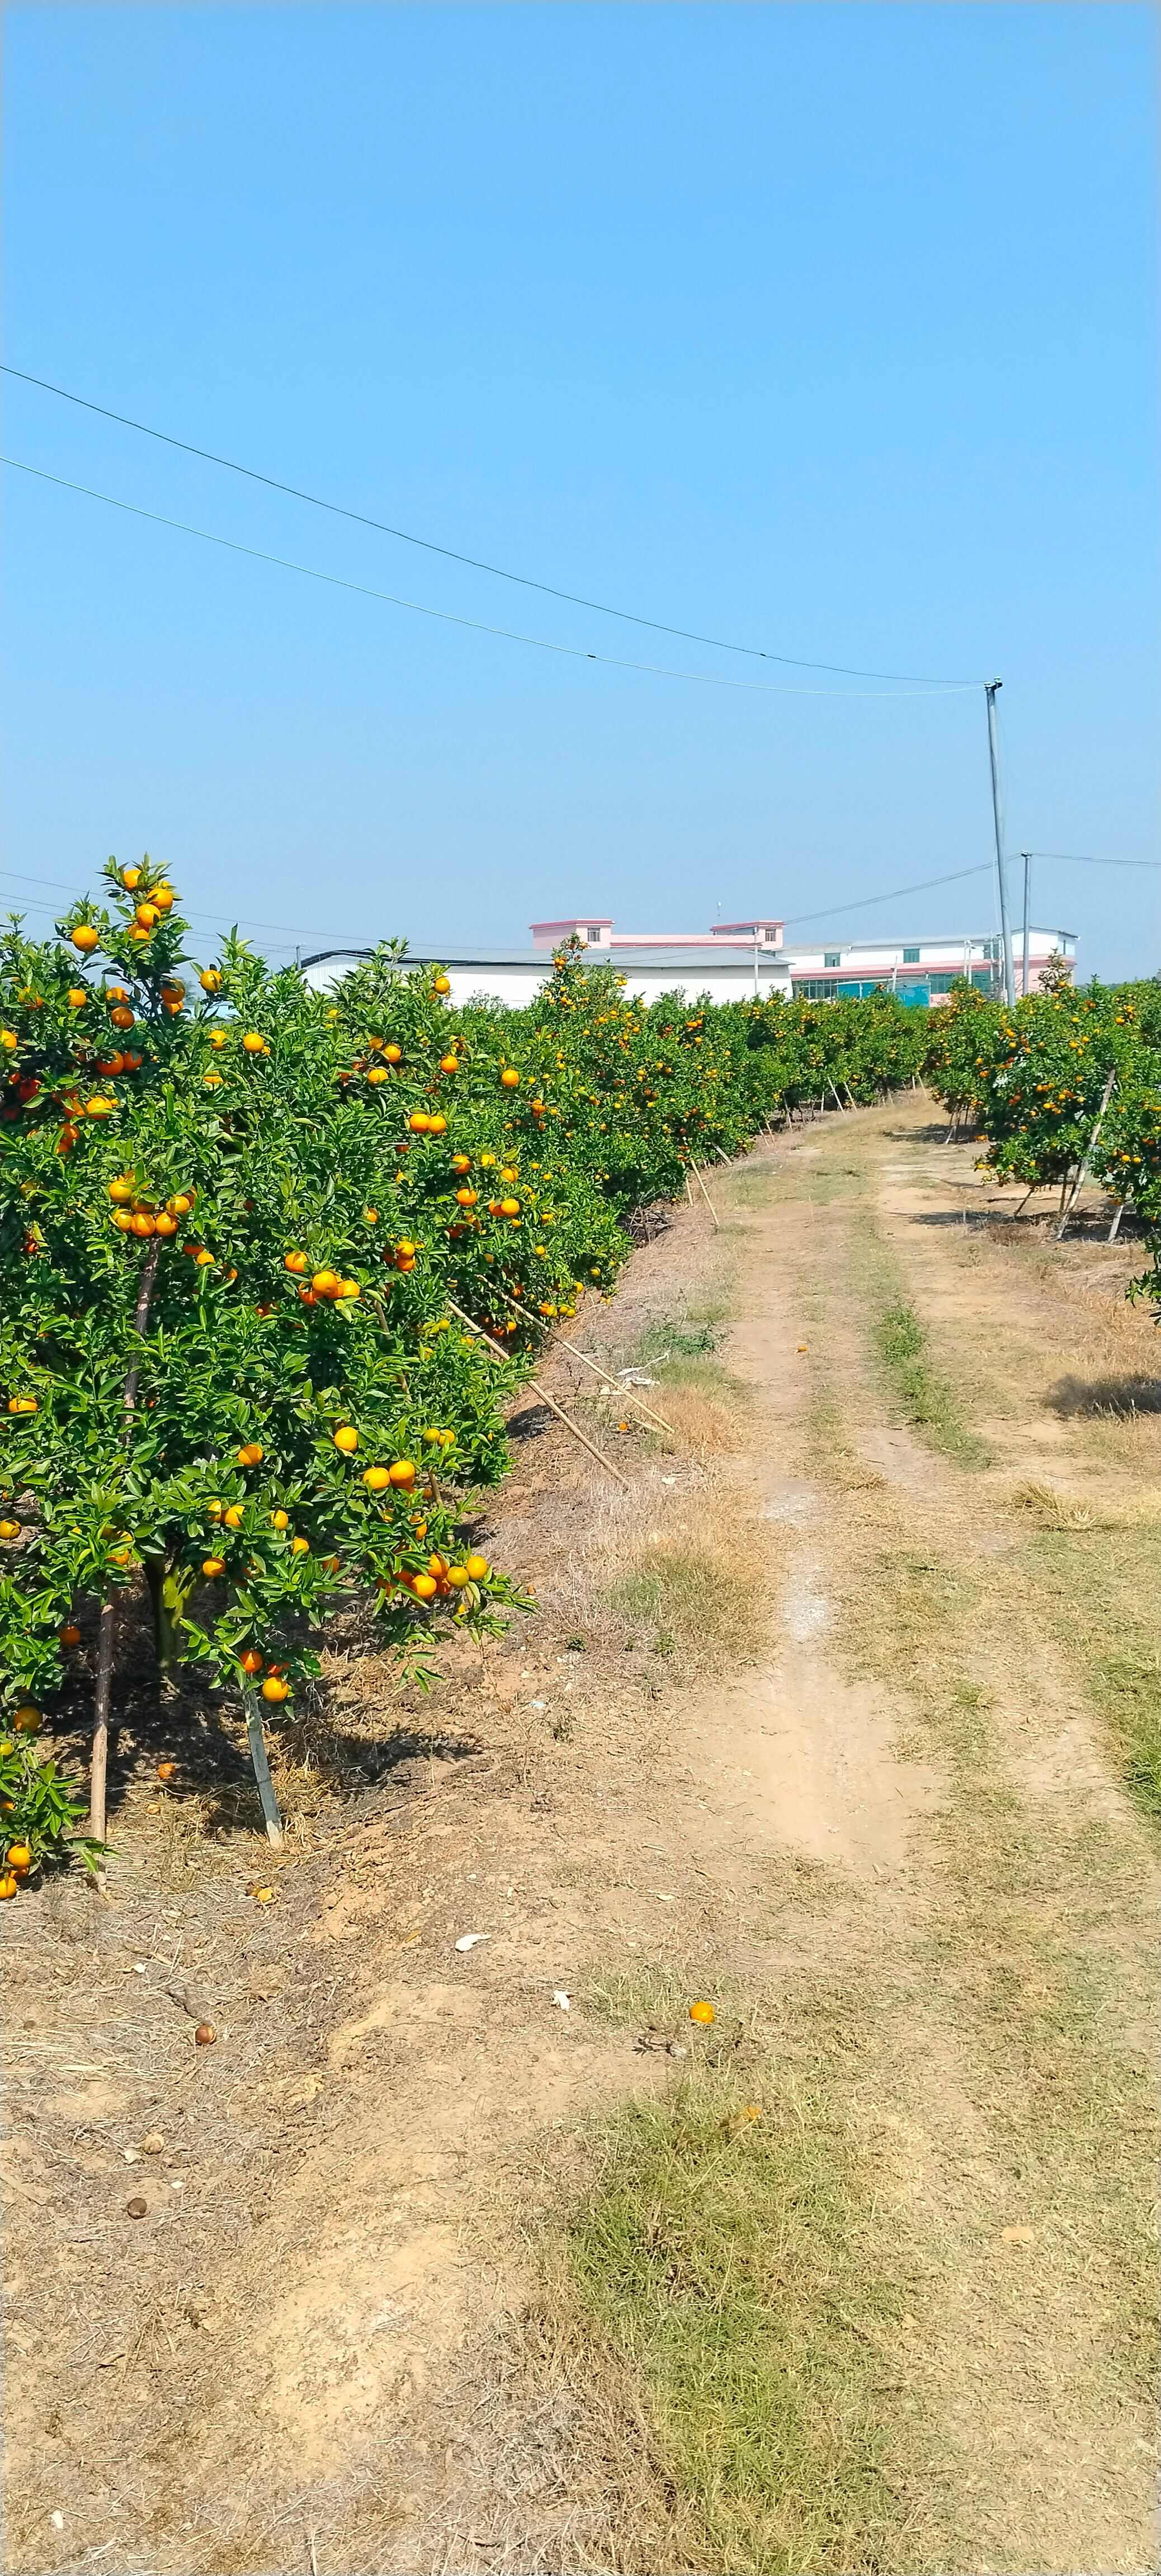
(830, 329)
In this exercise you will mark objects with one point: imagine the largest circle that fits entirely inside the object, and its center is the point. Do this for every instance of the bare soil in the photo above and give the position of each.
(862, 1754)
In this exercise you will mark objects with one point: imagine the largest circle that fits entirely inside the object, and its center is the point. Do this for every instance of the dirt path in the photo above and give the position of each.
(866, 1798)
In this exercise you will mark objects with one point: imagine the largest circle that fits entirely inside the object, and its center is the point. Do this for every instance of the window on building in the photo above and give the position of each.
(943, 983)
(833, 957)
(911, 957)
(813, 988)
(594, 930)
(983, 976)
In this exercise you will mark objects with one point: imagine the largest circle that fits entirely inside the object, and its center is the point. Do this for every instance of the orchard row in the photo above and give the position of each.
(271, 1263)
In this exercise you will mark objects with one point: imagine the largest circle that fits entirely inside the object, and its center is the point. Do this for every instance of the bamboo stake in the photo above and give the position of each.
(545, 1398)
(1082, 1172)
(705, 1193)
(586, 1362)
(258, 1757)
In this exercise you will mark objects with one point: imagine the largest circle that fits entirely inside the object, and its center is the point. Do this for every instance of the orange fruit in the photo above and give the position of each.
(370, 1216)
(349, 1288)
(419, 1122)
(130, 878)
(26, 1719)
(22, 1404)
(509, 1207)
(8, 1885)
(424, 1587)
(165, 1223)
(163, 898)
(147, 915)
(167, 1770)
(78, 995)
(509, 1077)
(295, 1261)
(402, 1472)
(346, 1438)
(300, 1546)
(212, 1565)
(19, 1856)
(376, 1479)
(85, 938)
(466, 1198)
(394, 1054)
(326, 1283)
(122, 1017)
(458, 1575)
(405, 1251)
(251, 1661)
(123, 1191)
(9, 1529)
(702, 2013)
(70, 1636)
(441, 984)
(449, 1064)
(219, 1038)
(144, 1224)
(477, 1568)
(275, 1689)
(210, 980)
(253, 1043)
(251, 1454)
(378, 1074)
(437, 1126)
(280, 1520)
(461, 1162)
(232, 1518)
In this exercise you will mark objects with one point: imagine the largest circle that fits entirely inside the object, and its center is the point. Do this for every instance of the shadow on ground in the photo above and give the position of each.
(1108, 1395)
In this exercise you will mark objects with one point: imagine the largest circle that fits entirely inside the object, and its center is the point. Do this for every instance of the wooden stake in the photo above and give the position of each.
(705, 1193)
(1115, 1227)
(545, 1398)
(586, 1362)
(1082, 1172)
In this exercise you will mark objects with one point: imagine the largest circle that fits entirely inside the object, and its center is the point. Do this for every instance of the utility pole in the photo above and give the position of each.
(990, 688)
(1026, 855)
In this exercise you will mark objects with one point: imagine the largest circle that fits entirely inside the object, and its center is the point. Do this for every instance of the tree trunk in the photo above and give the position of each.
(164, 1597)
(99, 1764)
(98, 1771)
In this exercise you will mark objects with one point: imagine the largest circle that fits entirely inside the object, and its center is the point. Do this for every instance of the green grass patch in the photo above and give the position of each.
(727, 2263)
(929, 1403)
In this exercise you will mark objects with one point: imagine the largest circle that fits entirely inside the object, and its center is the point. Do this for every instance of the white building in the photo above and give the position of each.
(729, 963)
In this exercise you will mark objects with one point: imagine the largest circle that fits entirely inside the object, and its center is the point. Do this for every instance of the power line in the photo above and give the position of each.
(16, 876)
(499, 572)
(1084, 859)
(445, 617)
(896, 895)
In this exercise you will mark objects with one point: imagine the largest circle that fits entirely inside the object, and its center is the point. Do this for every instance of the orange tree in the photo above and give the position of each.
(226, 1371)
(1044, 1074)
